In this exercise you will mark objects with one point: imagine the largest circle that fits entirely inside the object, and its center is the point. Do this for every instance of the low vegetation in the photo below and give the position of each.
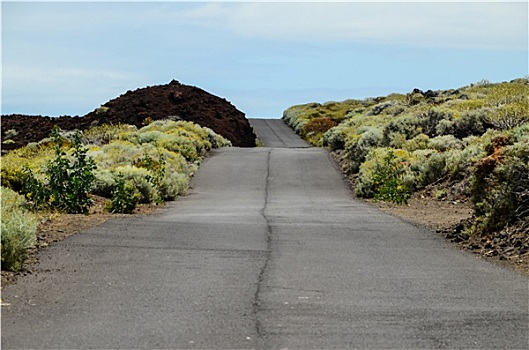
(19, 229)
(473, 140)
(124, 164)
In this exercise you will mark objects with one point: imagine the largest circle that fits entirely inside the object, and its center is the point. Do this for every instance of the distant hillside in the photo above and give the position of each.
(174, 100)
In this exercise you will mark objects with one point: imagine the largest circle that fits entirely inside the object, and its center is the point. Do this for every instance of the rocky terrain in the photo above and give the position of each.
(138, 107)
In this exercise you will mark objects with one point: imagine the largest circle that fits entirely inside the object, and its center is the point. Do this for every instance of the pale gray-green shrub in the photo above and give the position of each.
(444, 143)
(428, 166)
(395, 140)
(103, 134)
(18, 228)
(174, 185)
(421, 141)
(139, 177)
(466, 123)
(408, 125)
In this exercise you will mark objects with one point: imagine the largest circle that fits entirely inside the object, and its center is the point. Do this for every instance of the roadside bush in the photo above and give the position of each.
(116, 153)
(500, 183)
(335, 138)
(104, 183)
(382, 176)
(124, 198)
(436, 136)
(188, 139)
(315, 128)
(165, 173)
(173, 185)
(14, 164)
(459, 162)
(139, 177)
(427, 166)
(69, 178)
(19, 227)
(359, 144)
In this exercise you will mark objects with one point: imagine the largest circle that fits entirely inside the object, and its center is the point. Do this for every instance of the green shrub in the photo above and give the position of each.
(173, 185)
(69, 179)
(388, 182)
(407, 125)
(104, 183)
(429, 120)
(382, 176)
(395, 140)
(464, 124)
(19, 228)
(427, 166)
(500, 183)
(103, 134)
(139, 177)
(511, 105)
(14, 164)
(381, 107)
(125, 196)
(334, 138)
(445, 143)
(459, 162)
(421, 141)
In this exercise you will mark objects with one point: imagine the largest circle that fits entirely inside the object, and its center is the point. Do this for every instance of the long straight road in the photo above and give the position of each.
(269, 251)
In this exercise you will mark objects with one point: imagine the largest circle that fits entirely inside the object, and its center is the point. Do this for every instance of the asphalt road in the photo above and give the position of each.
(269, 250)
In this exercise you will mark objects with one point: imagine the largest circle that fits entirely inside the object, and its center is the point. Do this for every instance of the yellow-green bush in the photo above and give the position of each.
(158, 159)
(443, 133)
(34, 157)
(19, 227)
(298, 116)
(103, 134)
(382, 175)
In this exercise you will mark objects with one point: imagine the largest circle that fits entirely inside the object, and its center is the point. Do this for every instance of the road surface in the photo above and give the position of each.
(268, 251)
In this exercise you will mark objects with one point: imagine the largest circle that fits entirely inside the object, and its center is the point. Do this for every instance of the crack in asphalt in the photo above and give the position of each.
(260, 343)
(275, 133)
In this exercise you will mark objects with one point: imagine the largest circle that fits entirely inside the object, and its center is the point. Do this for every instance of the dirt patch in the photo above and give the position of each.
(173, 100)
(510, 247)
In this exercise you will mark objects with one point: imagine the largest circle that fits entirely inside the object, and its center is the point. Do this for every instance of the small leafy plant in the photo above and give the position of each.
(388, 182)
(125, 196)
(69, 182)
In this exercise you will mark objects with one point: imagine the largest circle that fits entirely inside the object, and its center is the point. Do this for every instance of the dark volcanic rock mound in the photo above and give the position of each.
(173, 100)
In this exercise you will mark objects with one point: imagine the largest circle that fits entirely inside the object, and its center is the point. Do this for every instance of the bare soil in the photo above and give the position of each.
(507, 248)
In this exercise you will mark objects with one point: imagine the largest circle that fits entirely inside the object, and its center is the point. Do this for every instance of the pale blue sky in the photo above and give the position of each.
(67, 58)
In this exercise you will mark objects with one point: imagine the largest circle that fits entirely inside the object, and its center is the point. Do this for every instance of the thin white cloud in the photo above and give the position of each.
(57, 75)
(60, 90)
(481, 25)
(454, 25)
